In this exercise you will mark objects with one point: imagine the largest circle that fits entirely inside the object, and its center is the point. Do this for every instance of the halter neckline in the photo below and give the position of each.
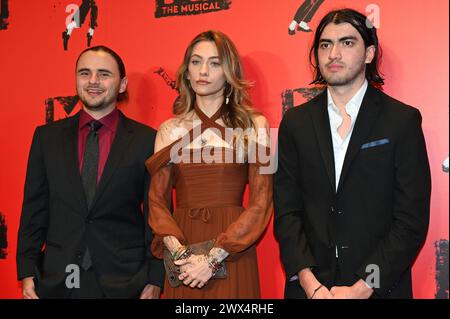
(209, 121)
(205, 117)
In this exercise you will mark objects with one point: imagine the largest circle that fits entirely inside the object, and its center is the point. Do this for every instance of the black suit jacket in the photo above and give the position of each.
(380, 212)
(115, 229)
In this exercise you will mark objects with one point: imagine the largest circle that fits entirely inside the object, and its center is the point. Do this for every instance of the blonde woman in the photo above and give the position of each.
(209, 152)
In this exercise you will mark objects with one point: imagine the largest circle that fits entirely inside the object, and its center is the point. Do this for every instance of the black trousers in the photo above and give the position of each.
(307, 10)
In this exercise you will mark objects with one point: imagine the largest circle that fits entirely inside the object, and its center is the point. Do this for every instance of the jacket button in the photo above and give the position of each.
(89, 221)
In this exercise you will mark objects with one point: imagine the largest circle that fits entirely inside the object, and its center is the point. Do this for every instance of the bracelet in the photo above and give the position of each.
(316, 290)
(176, 253)
(182, 252)
(214, 264)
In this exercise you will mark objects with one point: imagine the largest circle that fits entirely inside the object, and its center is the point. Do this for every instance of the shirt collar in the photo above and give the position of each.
(354, 104)
(109, 121)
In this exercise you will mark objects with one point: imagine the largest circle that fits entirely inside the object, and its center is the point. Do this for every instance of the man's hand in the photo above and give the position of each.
(150, 292)
(359, 290)
(322, 293)
(28, 289)
(310, 283)
(195, 270)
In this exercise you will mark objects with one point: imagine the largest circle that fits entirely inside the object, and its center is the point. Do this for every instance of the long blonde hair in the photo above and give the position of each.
(238, 112)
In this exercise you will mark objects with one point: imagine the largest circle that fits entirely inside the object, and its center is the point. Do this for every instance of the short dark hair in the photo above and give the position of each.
(122, 72)
(368, 33)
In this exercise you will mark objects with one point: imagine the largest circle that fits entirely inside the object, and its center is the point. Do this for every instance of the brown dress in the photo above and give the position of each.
(209, 206)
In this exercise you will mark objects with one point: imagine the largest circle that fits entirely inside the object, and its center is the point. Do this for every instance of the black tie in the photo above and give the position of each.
(90, 162)
(89, 175)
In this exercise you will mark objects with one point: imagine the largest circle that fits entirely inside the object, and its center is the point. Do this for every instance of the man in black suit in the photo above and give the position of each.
(85, 189)
(352, 190)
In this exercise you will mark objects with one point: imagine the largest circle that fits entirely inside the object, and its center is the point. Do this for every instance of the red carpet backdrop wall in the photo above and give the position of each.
(37, 85)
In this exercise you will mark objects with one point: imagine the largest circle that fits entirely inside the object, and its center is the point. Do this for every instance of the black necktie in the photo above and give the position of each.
(90, 162)
(89, 173)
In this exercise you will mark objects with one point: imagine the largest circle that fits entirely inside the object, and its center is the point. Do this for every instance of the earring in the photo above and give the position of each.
(227, 98)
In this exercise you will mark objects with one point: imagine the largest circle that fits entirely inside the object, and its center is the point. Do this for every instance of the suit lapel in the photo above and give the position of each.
(367, 115)
(70, 147)
(321, 123)
(119, 147)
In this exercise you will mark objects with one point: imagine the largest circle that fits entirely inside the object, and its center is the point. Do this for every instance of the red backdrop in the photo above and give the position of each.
(35, 68)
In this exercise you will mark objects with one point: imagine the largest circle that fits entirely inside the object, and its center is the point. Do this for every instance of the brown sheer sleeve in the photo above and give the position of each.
(246, 230)
(160, 200)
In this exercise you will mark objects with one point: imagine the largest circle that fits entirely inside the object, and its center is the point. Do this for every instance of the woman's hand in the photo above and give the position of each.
(195, 270)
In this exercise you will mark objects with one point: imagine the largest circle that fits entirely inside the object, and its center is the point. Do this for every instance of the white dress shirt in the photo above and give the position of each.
(340, 145)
